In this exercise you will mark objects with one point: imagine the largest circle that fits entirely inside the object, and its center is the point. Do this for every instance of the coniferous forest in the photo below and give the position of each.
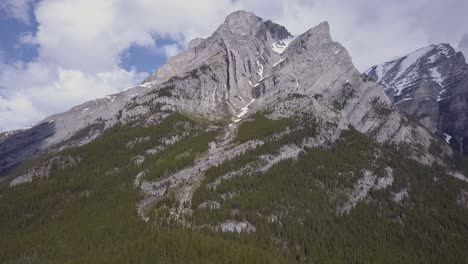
(86, 212)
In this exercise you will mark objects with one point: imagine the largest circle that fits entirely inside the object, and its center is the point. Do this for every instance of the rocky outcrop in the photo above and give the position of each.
(247, 65)
(430, 84)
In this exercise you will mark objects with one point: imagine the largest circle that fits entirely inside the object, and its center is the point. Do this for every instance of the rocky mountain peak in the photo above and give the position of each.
(242, 22)
(246, 24)
(321, 31)
(430, 84)
(247, 65)
(247, 131)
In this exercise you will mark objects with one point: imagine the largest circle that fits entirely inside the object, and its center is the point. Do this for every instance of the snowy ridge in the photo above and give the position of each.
(405, 73)
(429, 84)
(410, 59)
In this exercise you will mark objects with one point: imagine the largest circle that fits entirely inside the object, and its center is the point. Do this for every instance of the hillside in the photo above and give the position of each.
(252, 146)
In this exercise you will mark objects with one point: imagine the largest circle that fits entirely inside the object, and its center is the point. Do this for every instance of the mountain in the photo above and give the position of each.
(252, 146)
(430, 84)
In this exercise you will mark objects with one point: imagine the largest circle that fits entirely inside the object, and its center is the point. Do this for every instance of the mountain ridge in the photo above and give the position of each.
(430, 84)
(240, 66)
(249, 147)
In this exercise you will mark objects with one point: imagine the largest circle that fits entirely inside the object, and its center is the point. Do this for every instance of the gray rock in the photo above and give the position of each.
(430, 84)
(247, 65)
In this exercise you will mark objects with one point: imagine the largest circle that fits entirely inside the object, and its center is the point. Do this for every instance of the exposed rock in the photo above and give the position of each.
(212, 205)
(399, 196)
(246, 65)
(132, 143)
(235, 226)
(44, 169)
(458, 175)
(139, 160)
(463, 199)
(286, 152)
(430, 84)
(361, 189)
(139, 178)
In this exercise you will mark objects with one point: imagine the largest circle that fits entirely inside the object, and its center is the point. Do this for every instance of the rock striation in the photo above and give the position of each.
(430, 84)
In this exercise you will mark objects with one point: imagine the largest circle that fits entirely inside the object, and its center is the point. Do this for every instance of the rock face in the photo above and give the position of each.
(247, 65)
(430, 84)
(248, 131)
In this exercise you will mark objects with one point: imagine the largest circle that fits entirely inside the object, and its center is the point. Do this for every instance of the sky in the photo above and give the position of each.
(55, 54)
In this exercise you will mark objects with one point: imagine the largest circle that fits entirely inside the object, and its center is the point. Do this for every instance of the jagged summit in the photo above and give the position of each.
(247, 65)
(247, 23)
(242, 22)
(400, 74)
(248, 130)
(430, 84)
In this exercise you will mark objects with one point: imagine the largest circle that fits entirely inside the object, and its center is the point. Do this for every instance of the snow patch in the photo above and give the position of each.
(278, 62)
(111, 98)
(253, 85)
(439, 97)
(281, 46)
(245, 109)
(243, 112)
(148, 84)
(436, 76)
(447, 138)
(458, 175)
(444, 50)
(410, 59)
(403, 100)
(84, 110)
(260, 69)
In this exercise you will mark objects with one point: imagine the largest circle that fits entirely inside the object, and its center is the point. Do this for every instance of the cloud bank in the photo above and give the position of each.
(81, 44)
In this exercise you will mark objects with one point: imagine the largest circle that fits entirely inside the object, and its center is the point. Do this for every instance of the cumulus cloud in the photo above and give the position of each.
(34, 90)
(17, 9)
(81, 44)
(373, 31)
(91, 35)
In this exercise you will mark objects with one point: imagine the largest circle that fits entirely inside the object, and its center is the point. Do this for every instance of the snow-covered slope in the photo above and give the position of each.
(431, 84)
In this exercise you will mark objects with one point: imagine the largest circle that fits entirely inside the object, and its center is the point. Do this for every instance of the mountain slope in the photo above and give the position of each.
(430, 84)
(270, 149)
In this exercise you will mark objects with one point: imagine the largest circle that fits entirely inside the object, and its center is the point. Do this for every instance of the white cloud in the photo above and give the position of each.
(81, 43)
(17, 111)
(171, 50)
(373, 31)
(91, 35)
(37, 90)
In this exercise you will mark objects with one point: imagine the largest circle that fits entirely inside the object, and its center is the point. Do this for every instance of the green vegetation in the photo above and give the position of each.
(261, 127)
(293, 205)
(87, 213)
(178, 156)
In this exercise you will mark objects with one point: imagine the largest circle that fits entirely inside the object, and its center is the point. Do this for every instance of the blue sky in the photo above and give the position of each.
(55, 54)
(12, 29)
